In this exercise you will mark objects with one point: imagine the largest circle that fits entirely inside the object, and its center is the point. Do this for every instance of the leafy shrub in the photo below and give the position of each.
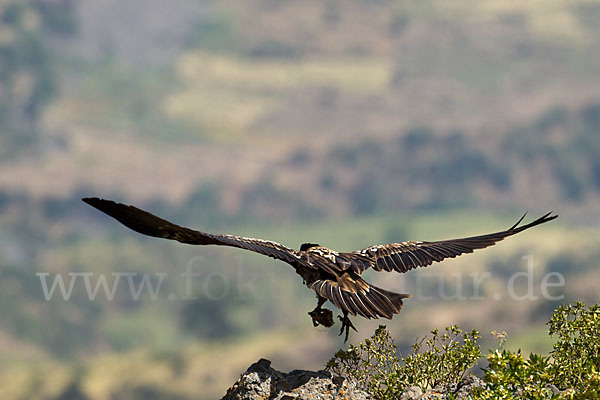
(439, 359)
(442, 360)
(576, 354)
(373, 364)
(511, 376)
(571, 371)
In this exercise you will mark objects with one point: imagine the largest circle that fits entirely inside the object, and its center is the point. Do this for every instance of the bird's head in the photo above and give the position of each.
(306, 246)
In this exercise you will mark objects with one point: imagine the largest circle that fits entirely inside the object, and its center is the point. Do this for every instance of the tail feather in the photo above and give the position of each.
(392, 297)
(365, 299)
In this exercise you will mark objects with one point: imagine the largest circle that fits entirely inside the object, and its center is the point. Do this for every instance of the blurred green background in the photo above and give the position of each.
(346, 123)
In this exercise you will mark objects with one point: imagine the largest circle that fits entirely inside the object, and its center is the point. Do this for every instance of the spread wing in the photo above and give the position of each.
(350, 293)
(402, 257)
(151, 225)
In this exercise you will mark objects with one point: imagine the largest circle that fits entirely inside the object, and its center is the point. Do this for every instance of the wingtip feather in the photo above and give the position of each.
(541, 220)
(94, 201)
(518, 222)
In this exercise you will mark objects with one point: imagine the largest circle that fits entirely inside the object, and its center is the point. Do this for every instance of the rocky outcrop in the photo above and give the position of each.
(261, 382)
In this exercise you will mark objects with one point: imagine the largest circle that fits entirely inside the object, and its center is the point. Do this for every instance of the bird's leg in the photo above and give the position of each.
(321, 316)
(347, 324)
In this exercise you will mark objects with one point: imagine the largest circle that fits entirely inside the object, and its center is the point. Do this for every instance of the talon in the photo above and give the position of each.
(346, 324)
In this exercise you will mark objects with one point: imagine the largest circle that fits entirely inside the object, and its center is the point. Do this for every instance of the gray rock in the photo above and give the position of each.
(553, 388)
(261, 382)
(412, 393)
(466, 386)
(442, 392)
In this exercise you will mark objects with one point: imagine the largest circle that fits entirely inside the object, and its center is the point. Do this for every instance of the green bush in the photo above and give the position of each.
(576, 354)
(511, 376)
(571, 371)
(438, 359)
(373, 364)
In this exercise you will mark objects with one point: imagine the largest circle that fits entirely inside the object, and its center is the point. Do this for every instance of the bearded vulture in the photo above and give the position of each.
(333, 275)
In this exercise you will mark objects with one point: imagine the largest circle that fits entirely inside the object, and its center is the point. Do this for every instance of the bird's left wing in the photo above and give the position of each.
(404, 256)
(148, 224)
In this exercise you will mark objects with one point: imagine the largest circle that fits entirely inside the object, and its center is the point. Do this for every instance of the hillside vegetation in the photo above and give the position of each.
(346, 123)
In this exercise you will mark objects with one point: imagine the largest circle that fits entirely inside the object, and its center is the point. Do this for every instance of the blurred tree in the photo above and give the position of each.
(27, 77)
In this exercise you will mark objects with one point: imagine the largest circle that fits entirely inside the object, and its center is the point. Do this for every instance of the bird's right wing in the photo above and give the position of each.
(148, 224)
(404, 256)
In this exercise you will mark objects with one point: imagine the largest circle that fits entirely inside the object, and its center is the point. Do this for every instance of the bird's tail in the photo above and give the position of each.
(378, 294)
(360, 298)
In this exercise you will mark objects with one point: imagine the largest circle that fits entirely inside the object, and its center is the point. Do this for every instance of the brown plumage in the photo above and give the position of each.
(334, 276)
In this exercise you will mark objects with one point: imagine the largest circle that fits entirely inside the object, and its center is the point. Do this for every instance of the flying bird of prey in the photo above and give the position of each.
(334, 276)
